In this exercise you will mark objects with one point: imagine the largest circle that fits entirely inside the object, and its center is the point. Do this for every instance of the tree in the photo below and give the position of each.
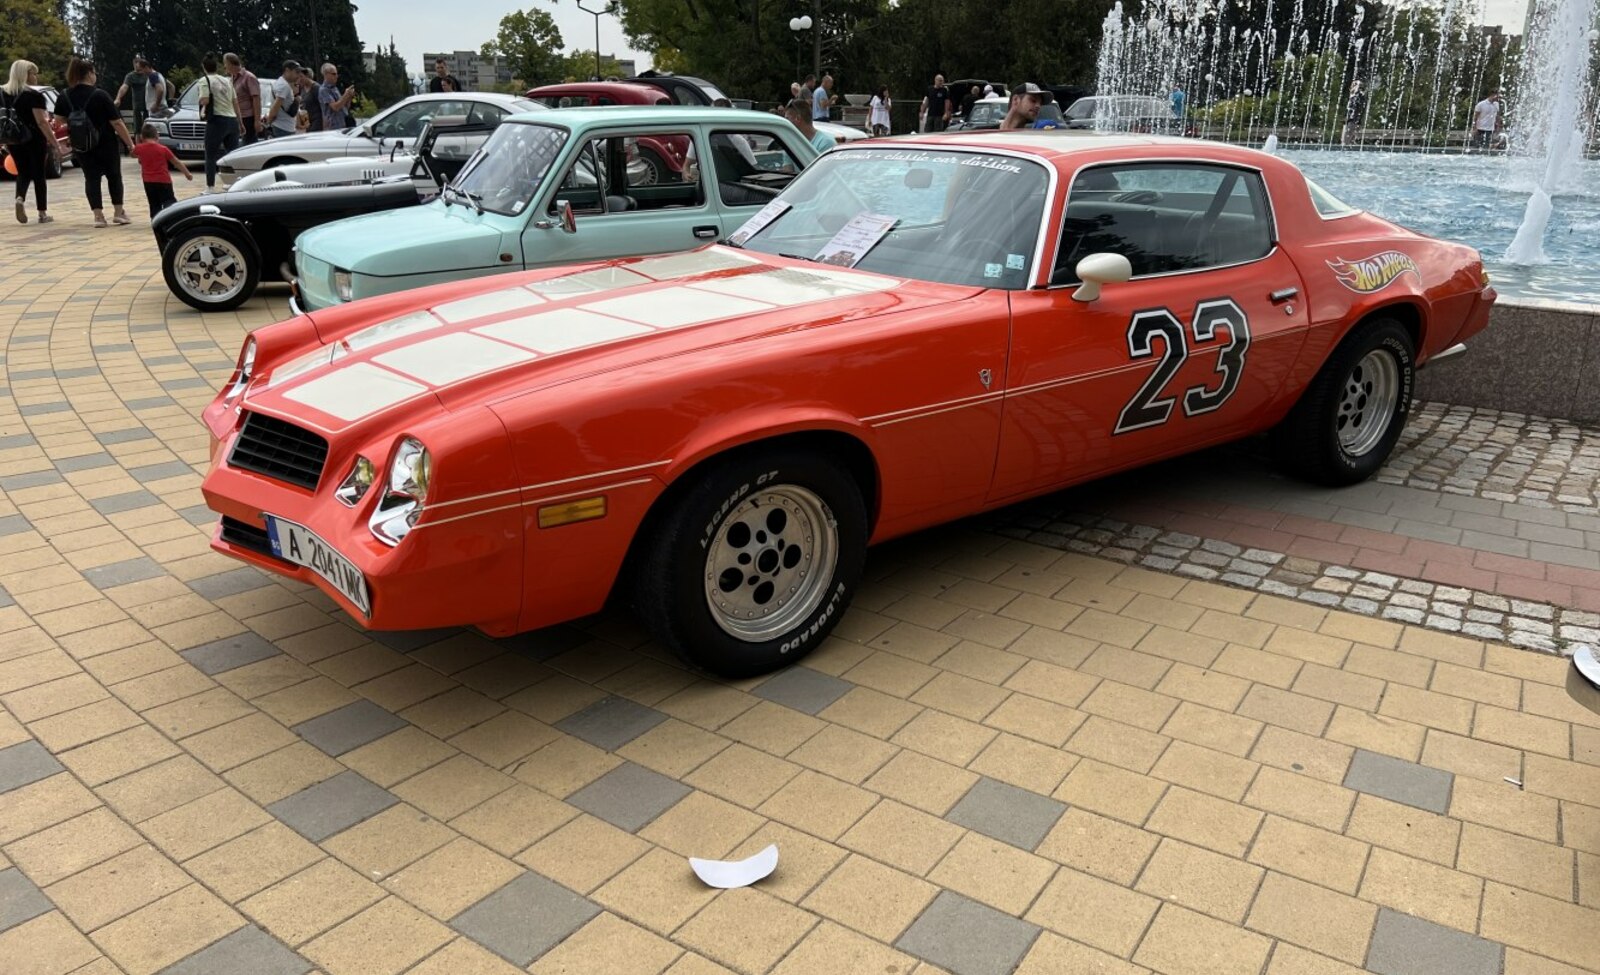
(580, 66)
(32, 30)
(531, 43)
(389, 82)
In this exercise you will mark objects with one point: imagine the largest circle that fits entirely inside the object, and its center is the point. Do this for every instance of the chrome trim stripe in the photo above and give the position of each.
(470, 514)
(927, 406)
(948, 409)
(547, 484)
(594, 490)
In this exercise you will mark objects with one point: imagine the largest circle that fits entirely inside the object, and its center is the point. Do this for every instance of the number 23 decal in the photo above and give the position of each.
(1148, 408)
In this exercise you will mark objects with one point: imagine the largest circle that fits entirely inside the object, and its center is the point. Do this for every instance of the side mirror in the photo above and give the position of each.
(1100, 269)
(569, 220)
(395, 149)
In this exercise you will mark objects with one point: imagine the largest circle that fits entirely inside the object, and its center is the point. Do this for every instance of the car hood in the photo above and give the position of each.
(290, 144)
(477, 343)
(416, 240)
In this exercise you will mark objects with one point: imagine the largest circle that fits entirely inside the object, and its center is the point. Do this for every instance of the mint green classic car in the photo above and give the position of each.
(559, 188)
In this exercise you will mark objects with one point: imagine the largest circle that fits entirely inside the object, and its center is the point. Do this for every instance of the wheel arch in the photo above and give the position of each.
(277, 161)
(203, 220)
(1408, 311)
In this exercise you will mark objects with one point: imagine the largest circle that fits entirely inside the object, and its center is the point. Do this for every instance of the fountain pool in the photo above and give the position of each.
(1477, 200)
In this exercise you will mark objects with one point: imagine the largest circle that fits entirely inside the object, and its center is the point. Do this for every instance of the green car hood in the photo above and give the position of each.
(428, 239)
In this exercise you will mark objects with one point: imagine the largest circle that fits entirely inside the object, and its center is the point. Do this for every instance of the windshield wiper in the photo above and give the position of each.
(799, 257)
(476, 199)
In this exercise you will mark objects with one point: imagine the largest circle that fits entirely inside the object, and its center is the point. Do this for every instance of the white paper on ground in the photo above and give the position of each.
(1583, 658)
(736, 873)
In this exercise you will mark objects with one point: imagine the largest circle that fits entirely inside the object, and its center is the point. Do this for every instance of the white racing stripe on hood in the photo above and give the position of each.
(791, 286)
(674, 266)
(589, 282)
(493, 303)
(355, 391)
(451, 358)
(676, 307)
(561, 329)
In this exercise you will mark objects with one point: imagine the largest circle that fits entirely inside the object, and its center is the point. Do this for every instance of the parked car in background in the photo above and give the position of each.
(400, 123)
(988, 113)
(551, 188)
(215, 249)
(682, 89)
(1123, 113)
(57, 126)
(450, 144)
(650, 160)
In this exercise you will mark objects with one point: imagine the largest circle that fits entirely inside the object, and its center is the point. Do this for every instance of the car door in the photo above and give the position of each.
(613, 218)
(1193, 350)
(747, 167)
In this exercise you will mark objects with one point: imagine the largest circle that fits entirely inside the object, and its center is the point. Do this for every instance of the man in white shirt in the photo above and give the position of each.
(279, 115)
(1485, 120)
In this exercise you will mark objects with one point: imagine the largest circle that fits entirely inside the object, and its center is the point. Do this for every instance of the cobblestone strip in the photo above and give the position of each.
(1450, 609)
(1528, 460)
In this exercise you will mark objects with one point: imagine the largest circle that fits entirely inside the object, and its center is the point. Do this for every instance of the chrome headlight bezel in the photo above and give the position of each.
(363, 474)
(243, 371)
(405, 492)
(343, 284)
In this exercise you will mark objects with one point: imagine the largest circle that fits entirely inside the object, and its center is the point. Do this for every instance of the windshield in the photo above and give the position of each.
(954, 217)
(987, 113)
(505, 174)
(191, 96)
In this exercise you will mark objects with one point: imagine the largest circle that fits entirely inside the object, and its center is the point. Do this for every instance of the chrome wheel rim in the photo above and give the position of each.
(769, 563)
(1368, 402)
(210, 269)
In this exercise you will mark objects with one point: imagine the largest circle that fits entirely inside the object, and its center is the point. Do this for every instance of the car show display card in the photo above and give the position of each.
(758, 223)
(855, 239)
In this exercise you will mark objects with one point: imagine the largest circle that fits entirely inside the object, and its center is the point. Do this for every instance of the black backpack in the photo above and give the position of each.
(81, 130)
(13, 132)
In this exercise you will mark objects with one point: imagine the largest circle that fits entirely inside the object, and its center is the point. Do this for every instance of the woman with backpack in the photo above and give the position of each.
(94, 127)
(224, 128)
(25, 132)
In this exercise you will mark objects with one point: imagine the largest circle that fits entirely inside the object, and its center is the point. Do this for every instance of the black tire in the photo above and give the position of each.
(672, 585)
(1312, 441)
(242, 262)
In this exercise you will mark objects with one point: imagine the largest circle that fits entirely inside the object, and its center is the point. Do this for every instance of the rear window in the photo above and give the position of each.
(1326, 203)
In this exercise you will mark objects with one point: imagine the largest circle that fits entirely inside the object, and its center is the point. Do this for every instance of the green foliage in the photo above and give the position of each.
(580, 67)
(531, 44)
(31, 30)
(389, 82)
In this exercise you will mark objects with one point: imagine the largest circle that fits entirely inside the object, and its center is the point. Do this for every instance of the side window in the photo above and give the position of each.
(585, 180)
(483, 113)
(620, 173)
(1165, 217)
(407, 121)
(751, 167)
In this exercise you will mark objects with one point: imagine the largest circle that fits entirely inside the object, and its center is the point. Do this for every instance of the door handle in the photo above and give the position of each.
(706, 233)
(1284, 294)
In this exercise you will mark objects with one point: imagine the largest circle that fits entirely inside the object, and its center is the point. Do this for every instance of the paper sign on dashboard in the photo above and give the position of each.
(758, 223)
(855, 239)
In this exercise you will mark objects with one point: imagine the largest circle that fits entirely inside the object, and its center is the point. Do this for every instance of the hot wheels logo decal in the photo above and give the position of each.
(1373, 273)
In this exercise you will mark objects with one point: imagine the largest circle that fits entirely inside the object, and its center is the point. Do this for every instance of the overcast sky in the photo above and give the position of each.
(460, 25)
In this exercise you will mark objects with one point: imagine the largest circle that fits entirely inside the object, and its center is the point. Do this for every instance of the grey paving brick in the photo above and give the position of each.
(552, 641)
(194, 382)
(1458, 502)
(29, 375)
(124, 502)
(18, 482)
(629, 796)
(229, 653)
(1550, 533)
(1400, 781)
(1500, 544)
(611, 722)
(24, 763)
(14, 525)
(214, 365)
(85, 462)
(163, 360)
(198, 514)
(349, 727)
(124, 436)
(332, 806)
(803, 689)
(122, 573)
(1489, 524)
(30, 339)
(148, 327)
(229, 583)
(968, 938)
(20, 900)
(405, 641)
(1364, 519)
(44, 409)
(1407, 945)
(11, 441)
(114, 346)
(1553, 517)
(1564, 555)
(1007, 813)
(247, 951)
(198, 344)
(5, 598)
(148, 402)
(156, 472)
(525, 918)
(1428, 513)
(77, 372)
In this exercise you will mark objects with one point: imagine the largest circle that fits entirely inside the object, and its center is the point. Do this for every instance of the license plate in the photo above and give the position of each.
(191, 147)
(300, 545)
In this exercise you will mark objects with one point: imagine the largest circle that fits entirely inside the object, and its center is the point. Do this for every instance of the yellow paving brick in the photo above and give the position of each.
(1126, 667)
(452, 712)
(1297, 796)
(1444, 647)
(818, 804)
(1041, 611)
(979, 656)
(1406, 829)
(54, 697)
(1430, 708)
(1098, 913)
(745, 929)
(1563, 780)
(66, 848)
(1255, 664)
(386, 938)
(1209, 688)
(553, 699)
(1588, 880)
(1309, 853)
(1389, 665)
(1476, 685)
(830, 948)
(1053, 683)
(911, 641)
(154, 790)
(1023, 763)
(1034, 718)
(1111, 791)
(164, 686)
(1052, 647)
(1376, 732)
(1201, 880)
(925, 783)
(168, 930)
(514, 819)
(1362, 629)
(452, 878)
(1213, 596)
(1203, 820)
(117, 886)
(993, 872)
(658, 891)
(1529, 732)
(1109, 741)
(1130, 705)
(743, 775)
(1516, 860)
(83, 724)
(238, 741)
(398, 756)
(1504, 806)
(1205, 770)
(876, 900)
(1233, 628)
(583, 854)
(1427, 890)
(254, 861)
(673, 748)
(772, 728)
(1185, 943)
(943, 736)
(962, 696)
(1096, 594)
(452, 787)
(608, 944)
(1471, 757)
(1177, 614)
(890, 673)
(203, 823)
(1310, 647)
(901, 836)
(464, 957)
(198, 712)
(844, 754)
(1052, 953)
(1286, 709)
(46, 945)
(1313, 917)
(1290, 960)
(1542, 925)
(1307, 754)
(388, 841)
(1097, 845)
(304, 905)
(1286, 612)
(265, 676)
(1339, 686)
(283, 772)
(870, 712)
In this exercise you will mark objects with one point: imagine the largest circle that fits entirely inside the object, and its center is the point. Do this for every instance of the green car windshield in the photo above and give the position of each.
(506, 173)
(954, 217)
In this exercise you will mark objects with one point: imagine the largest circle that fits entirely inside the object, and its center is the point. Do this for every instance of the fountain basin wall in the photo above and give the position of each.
(1539, 358)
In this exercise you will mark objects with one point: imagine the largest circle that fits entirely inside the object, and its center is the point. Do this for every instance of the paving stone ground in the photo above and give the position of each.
(1042, 741)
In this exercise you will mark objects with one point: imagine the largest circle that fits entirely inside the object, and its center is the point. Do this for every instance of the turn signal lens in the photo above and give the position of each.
(361, 477)
(568, 512)
(1485, 279)
(341, 285)
(409, 474)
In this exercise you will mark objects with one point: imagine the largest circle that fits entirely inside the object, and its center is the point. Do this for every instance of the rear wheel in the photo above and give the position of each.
(1354, 410)
(212, 268)
(755, 562)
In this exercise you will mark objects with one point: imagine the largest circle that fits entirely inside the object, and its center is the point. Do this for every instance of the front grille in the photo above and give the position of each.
(187, 130)
(281, 450)
(236, 532)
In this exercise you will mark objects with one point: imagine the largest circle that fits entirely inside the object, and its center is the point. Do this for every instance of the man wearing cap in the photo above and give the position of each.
(1023, 112)
(278, 116)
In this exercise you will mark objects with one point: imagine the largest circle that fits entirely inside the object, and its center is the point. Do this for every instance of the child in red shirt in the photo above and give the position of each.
(154, 162)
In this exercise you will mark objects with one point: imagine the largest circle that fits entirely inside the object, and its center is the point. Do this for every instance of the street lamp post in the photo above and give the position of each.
(798, 24)
(609, 8)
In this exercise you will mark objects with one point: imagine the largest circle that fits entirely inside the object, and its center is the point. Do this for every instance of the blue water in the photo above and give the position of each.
(1477, 200)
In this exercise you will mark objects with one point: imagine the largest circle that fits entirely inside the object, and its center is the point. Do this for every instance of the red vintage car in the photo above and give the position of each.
(914, 331)
(651, 159)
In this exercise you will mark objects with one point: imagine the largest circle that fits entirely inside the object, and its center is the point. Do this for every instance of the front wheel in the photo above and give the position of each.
(754, 564)
(211, 268)
(1354, 410)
